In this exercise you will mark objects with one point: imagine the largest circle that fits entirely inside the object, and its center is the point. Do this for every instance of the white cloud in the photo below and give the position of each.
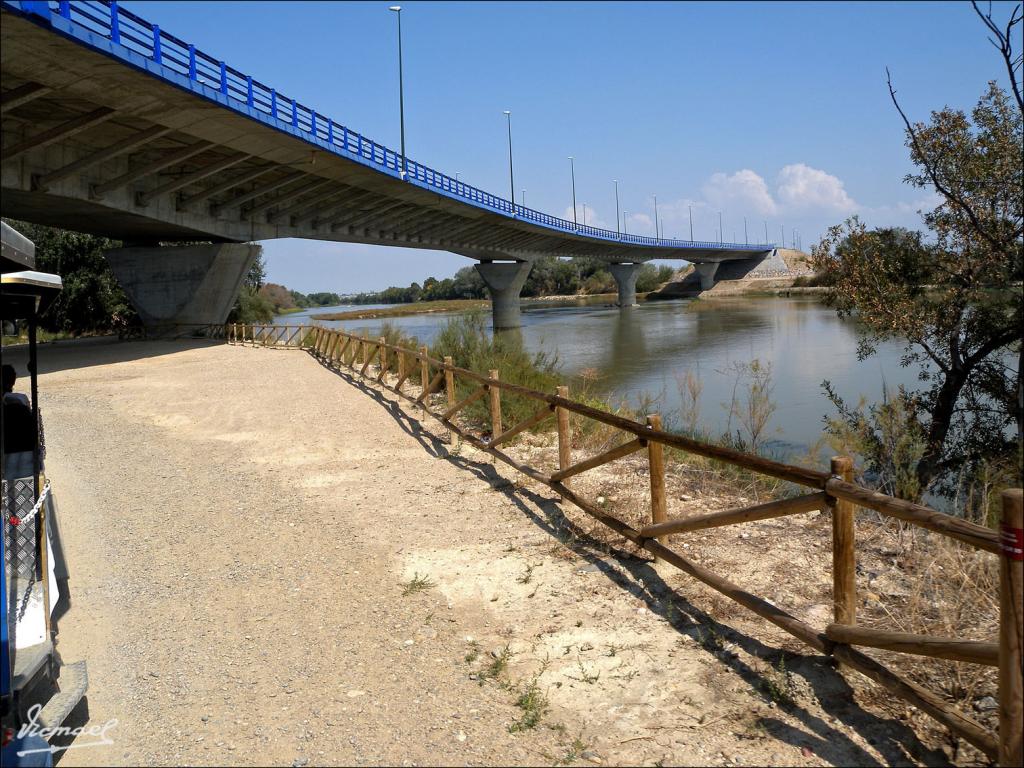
(743, 190)
(587, 215)
(640, 224)
(802, 188)
(904, 214)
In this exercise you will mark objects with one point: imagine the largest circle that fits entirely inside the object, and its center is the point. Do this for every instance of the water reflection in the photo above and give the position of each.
(647, 350)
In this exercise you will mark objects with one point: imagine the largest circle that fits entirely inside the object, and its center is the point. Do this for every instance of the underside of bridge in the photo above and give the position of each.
(99, 139)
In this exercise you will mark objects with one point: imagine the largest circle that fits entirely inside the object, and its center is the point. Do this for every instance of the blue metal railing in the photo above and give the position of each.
(122, 27)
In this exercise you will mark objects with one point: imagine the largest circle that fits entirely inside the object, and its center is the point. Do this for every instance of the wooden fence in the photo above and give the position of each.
(831, 491)
(267, 335)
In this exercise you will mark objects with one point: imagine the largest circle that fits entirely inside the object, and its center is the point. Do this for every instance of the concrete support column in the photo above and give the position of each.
(181, 285)
(706, 273)
(504, 281)
(625, 279)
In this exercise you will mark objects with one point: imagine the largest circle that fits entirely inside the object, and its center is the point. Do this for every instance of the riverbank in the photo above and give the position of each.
(319, 617)
(460, 305)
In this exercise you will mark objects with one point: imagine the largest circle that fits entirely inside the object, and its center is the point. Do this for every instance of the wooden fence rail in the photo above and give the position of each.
(833, 491)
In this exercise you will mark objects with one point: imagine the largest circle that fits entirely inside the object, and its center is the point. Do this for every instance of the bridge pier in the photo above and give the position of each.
(625, 280)
(182, 285)
(706, 272)
(504, 281)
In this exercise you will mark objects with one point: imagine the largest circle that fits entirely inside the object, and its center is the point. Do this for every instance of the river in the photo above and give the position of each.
(645, 352)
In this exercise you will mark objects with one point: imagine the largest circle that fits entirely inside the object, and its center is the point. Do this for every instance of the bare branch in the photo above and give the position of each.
(1005, 44)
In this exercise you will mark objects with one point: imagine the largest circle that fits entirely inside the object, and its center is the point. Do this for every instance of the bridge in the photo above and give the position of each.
(114, 127)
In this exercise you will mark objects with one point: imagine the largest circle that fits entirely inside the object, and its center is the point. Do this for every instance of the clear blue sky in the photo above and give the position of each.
(773, 111)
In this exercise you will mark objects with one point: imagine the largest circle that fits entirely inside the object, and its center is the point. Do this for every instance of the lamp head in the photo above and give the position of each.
(394, 8)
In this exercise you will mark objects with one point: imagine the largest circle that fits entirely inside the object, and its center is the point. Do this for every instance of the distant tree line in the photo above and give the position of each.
(549, 276)
(283, 298)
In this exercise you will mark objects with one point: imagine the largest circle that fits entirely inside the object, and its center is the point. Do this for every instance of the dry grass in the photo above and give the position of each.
(920, 582)
(910, 580)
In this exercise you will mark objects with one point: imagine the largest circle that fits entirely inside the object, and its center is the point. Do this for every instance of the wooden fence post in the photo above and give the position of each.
(401, 365)
(424, 375)
(495, 393)
(564, 434)
(844, 556)
(1011, 628)
(449, 388)
(449, 382)
(656, 461)
(383, 358)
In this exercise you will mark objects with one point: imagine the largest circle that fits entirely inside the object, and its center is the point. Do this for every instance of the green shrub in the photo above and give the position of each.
(470, 344)
(251, 308)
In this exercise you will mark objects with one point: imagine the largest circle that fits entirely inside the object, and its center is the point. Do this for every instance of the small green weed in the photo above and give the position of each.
(534, 704)
(777, 684)
(498, 665)
(417, 584)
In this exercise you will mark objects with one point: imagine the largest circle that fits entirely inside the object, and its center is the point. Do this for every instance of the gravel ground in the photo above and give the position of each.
(243, 527)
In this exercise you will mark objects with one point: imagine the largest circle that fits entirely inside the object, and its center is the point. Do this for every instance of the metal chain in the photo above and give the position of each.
(42, 436)
(35, 508)
(26, 597)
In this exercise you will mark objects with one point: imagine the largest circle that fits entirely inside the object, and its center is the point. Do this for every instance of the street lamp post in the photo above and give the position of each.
(616, 183)
(572, 172)
(766, 233)
(690, 209)
(401, 93)
(655, 216)
(721, 233)
(511, 178)
(782, 231)
(625, 214)
(523, 193)
(746, 241)
(584, 214)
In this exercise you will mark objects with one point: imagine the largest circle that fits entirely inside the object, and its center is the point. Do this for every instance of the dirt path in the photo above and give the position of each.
(241, 525)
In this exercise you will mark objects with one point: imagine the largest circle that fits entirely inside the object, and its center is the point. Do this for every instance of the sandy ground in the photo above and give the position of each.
(241, 525)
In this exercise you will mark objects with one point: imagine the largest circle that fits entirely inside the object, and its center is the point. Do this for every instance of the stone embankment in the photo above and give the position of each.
(775, 274)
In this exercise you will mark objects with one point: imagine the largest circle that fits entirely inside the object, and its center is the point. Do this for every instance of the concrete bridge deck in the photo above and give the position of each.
(114, 127)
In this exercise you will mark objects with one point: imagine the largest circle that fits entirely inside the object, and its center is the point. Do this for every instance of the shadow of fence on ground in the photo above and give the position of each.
(894, 740)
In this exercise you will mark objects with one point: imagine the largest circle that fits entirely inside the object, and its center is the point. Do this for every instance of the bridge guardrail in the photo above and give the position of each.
(123, 27)
(832, 492)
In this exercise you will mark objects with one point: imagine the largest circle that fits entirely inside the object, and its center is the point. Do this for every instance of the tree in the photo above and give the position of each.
(279, 296)
(92, 300)
(257, 273)
(955, 301)
(250, 306)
